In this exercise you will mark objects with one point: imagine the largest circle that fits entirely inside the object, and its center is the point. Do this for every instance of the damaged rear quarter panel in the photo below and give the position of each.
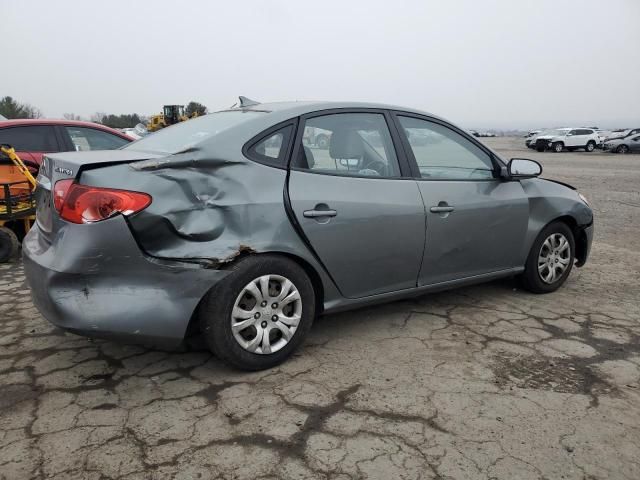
(208, 207)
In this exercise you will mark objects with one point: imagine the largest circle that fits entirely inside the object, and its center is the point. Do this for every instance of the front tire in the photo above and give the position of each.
(558, 147)
(591, 146)
(550, 260)
(260, 313)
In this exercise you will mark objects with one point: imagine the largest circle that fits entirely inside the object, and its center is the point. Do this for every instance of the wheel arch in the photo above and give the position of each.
(318, 287)
(579, 237)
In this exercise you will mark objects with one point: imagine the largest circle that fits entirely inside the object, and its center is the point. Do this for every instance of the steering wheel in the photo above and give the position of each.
(378, 166)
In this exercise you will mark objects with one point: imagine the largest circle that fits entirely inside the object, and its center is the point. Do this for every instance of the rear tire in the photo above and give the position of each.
(558, 147)
(9, 244)
(549, 263)
(241, 320)
(622, 149)
(591, 146)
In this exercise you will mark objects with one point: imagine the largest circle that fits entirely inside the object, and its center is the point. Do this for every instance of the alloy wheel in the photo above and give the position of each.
(266, 314)
(554, 258)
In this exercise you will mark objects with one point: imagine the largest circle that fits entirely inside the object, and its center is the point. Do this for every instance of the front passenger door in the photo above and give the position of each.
(475, 222)
(573, 139)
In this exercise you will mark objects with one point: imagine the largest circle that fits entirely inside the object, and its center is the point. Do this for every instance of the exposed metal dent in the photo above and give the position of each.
(215, 263)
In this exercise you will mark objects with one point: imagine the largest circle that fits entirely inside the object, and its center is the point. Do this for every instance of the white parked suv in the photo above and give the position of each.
(568, 139)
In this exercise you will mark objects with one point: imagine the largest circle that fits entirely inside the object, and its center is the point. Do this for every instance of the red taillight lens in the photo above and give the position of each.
(84, 204)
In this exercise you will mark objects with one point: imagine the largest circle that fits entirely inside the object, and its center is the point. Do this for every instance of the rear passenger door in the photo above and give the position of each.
(356, 203)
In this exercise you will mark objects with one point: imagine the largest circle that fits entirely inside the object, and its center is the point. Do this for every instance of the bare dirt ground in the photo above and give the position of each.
(487, 382)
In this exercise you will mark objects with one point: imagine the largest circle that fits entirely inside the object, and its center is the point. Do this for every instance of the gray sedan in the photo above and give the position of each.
(623, 145)
(235, 227)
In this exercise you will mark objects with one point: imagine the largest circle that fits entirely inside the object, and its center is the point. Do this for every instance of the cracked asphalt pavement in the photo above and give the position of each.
(486, 382)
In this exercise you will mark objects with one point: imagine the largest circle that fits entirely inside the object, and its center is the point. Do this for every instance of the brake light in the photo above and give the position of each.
(78, 203)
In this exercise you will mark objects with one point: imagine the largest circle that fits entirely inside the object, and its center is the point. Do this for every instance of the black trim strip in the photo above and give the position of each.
(288, 208)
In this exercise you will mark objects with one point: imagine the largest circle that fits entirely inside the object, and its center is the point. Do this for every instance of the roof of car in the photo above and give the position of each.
(301, 108)
(54, 121)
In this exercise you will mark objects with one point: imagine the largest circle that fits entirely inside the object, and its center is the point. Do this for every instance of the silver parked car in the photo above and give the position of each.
(234, 225)
(626, 144)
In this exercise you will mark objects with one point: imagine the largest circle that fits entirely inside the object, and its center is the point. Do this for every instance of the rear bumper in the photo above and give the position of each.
(94, 280)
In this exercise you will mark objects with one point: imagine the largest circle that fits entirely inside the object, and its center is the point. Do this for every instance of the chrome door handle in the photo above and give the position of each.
(319, 213)
(441, 209)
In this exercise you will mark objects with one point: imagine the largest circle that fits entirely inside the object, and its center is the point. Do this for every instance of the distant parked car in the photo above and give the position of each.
(568, 138)
(530, 138)
(623, 145)
(623, 134)
(603, 135)
(34, 138)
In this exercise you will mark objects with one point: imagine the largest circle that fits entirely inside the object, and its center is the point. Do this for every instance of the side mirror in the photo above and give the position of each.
(524, 168)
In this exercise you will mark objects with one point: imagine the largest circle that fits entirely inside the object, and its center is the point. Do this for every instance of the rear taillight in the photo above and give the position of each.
(78, 203)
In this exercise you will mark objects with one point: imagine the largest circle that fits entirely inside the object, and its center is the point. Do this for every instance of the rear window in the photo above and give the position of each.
(84, 139)
(188, 134)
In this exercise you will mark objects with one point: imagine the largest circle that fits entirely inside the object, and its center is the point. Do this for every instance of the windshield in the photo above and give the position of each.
(188, 134)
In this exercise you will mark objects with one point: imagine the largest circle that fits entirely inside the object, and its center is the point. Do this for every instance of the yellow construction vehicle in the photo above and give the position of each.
(170, 114)
(17, 202)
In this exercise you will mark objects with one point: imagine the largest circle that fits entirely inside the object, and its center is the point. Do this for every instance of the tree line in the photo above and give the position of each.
(10, 108)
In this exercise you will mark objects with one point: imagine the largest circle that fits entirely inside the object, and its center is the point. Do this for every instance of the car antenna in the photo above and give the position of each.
(247, 102)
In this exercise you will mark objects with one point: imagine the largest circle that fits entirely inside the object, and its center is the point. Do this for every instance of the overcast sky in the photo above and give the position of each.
(482, 64)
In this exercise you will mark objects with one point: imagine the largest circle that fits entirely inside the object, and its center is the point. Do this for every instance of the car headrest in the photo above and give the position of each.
(346, 144)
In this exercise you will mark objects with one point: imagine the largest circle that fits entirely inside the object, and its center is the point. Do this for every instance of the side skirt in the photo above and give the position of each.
(344, 304)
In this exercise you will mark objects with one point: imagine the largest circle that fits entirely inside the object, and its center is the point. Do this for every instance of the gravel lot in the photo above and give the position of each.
(480, 382)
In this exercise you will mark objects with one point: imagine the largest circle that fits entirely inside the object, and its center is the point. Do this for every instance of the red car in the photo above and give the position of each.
(33, 138)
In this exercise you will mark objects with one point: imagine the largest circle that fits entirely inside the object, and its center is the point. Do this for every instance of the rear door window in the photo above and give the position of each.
(357, 144)
(85, 139)
(30, 138)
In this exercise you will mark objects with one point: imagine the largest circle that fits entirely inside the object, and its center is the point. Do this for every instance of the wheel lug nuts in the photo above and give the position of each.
(263, 324)
(275, 305)
(264, 303)
(256, 315)
(274, 318)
